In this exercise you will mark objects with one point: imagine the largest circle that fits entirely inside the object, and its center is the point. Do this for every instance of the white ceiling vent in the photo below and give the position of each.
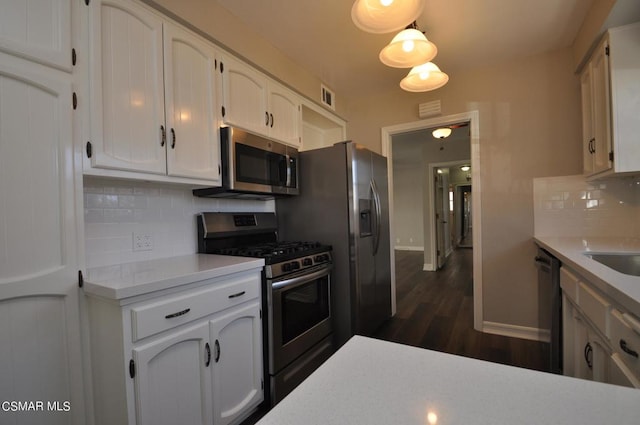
(429, 109)
(327, 97)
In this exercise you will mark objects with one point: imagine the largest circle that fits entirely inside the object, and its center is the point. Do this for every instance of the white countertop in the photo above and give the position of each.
(132, 279)
(624, 289)
(372, 382)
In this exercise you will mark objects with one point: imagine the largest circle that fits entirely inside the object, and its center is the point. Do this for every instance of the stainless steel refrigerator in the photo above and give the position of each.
(344, 202)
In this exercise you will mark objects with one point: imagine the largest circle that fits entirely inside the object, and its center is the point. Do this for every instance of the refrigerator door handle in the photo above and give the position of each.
(378, 214)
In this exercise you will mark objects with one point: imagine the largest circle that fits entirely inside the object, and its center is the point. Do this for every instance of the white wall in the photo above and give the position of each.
(408, 193)
(115, 209)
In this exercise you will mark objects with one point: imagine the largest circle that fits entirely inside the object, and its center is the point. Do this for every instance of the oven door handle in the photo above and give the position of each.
(300, 280)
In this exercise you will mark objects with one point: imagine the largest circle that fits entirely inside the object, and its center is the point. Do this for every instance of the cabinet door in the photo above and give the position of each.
(172, 380)
(192, 140)
(284, 114)
(244, 97)
(237, 362)
(37, 30)
(587, 120)
(601, 109)
(127, 91)
(40, 348)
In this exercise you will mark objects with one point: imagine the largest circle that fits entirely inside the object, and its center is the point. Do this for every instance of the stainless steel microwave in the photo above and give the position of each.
(254, 167)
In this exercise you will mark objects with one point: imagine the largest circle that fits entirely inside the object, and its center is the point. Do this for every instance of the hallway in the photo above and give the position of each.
(435, 311)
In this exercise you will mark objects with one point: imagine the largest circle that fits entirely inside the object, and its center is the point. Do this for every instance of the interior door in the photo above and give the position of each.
(439, 218)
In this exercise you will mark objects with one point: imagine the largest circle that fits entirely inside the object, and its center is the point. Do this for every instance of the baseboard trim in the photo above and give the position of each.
(515, 331)
(409, 248)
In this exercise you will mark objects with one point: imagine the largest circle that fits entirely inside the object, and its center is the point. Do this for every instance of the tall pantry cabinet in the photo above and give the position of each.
(41, 192)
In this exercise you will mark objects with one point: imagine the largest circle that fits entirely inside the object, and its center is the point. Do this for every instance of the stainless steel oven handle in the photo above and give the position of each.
(300, 280)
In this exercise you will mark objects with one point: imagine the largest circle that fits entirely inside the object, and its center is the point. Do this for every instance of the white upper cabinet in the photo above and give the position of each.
(193, 140)
(284, 114)
(142, 67)
(252, 101)
(244, 96)
(37, 30)
(611, 104)
(127, 88)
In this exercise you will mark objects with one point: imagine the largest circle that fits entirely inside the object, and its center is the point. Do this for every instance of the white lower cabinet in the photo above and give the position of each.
(196, 367)
(173, 379)
(237, 362)
(600, 343)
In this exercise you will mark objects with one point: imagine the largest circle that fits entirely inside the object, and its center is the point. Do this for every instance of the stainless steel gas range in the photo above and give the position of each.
(297, 322)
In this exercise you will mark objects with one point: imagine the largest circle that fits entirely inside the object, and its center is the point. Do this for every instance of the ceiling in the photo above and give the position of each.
(320, 36)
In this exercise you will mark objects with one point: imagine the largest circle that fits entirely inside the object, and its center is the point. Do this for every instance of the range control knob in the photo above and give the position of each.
(295, 265)
(286, 267)
(307, 262)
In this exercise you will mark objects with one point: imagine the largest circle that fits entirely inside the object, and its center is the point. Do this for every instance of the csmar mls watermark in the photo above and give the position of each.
(35, 406)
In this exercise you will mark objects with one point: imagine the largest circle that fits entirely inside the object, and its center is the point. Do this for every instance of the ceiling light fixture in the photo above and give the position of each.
(465, 168)
(383, 16)
(441, 133)
(408, 48)
(424, 77)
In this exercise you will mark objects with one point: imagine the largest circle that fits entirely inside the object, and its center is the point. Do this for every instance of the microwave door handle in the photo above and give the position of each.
(288, 181)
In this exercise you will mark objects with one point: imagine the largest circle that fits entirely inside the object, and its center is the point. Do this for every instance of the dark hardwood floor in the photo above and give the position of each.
(435, 311)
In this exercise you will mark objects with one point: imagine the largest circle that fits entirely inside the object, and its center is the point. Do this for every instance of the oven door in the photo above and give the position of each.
(299, 316)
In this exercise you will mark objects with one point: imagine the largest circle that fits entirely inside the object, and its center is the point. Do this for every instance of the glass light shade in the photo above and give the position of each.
(441, 133)
(424, 77)
(465, 168)
(383, 16)
(408, 48)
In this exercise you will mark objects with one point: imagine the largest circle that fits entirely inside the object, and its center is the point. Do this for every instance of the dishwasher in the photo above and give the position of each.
(549, 285)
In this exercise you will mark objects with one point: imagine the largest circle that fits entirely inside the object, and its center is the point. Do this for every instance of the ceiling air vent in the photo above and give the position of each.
(327, 97)
(429, 109)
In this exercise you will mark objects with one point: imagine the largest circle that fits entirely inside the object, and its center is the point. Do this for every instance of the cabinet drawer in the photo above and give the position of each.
(623, 335)
(594, 307)
(569, 284)
(151, 318)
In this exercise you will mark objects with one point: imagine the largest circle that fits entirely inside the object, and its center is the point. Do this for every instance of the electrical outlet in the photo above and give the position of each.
(142, 242)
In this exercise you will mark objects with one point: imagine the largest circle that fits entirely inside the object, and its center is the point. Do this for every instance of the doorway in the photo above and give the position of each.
(388, 134)
(465, 213)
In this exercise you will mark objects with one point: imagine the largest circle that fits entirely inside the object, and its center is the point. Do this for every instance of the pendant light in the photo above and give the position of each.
(441, 133)
(408, 48)
(424, 77)
(383, 16)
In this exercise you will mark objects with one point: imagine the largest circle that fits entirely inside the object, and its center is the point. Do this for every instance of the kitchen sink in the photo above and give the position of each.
(626, 263)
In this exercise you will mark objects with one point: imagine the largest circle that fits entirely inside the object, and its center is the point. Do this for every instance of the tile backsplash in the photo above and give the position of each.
(572, 206)
(115, 210)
